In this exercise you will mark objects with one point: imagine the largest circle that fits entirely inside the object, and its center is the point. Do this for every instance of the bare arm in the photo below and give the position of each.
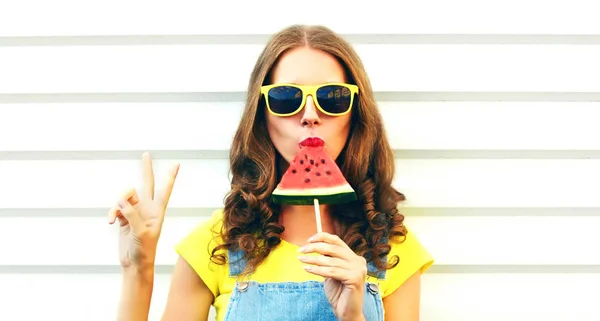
(140, 222)
(404, 303)
(189, 297)
(136, 292)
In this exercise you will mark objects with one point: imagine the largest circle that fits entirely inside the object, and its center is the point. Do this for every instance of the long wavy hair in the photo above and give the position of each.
(250, 221)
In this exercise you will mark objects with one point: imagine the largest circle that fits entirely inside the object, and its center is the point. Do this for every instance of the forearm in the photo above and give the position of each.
(358, 318)
(136, 294)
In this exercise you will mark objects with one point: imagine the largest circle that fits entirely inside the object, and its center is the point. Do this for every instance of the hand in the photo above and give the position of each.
(344, 273)
(141, 218)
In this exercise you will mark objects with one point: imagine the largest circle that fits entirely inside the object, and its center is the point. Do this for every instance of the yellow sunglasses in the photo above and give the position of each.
(333, 99)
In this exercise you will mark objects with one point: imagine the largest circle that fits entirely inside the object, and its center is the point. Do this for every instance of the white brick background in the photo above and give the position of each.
(492, 108)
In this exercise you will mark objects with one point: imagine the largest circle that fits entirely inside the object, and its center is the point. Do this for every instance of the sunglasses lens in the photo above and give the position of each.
(285, 99)
(334, 99)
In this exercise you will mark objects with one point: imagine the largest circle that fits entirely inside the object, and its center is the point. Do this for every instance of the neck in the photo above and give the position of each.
(300, 222)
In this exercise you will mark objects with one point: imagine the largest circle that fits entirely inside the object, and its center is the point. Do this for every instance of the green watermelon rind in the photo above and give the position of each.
(328, 195)
(309, 200)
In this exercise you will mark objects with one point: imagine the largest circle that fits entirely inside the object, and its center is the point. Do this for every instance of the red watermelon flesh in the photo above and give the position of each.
(313, 174)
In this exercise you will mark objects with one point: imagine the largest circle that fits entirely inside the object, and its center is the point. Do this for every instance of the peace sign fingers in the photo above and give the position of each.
(165, 194)
(147, 177)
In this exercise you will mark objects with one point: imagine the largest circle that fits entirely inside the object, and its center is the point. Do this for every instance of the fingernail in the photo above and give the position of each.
(310, 239)
(306, 267)
(302, 249)
(302, 257)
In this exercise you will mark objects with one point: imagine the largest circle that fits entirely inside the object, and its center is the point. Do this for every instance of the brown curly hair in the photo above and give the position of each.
(251, 220)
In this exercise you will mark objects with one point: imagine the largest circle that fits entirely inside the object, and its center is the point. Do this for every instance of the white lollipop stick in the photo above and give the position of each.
(318, 215)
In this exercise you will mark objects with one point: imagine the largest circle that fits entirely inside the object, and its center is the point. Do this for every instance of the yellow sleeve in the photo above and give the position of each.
(413, 257)
(196, 248)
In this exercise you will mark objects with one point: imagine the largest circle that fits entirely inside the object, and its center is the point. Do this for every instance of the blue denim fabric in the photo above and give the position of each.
(290, 301)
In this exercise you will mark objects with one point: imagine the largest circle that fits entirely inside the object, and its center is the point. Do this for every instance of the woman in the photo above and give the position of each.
(252, 260)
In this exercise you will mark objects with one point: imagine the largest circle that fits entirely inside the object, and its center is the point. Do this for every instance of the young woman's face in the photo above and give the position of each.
(307, 66)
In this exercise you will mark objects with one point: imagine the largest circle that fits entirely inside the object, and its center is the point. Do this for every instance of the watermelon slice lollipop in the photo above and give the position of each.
(313, 177)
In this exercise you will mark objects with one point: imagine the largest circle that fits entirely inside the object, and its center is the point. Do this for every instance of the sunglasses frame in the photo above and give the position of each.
(306, 91)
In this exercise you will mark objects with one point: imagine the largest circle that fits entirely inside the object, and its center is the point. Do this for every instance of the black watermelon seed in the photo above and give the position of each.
(322, 161)
(307, 169)
(328, 172)
(318, 174)
(317, 165)
(307, 180)
(302, 162)
(312, 161)
(293, 171)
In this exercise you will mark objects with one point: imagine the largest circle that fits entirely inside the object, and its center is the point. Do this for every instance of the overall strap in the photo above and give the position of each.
(372, 268)
(237, 262)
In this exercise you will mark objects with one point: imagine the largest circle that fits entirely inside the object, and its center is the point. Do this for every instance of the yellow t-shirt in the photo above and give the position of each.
(196, 247)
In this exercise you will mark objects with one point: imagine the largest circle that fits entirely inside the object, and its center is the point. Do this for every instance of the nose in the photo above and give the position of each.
(310, 117)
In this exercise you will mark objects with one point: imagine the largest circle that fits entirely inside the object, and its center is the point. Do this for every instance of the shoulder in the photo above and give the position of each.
(413, 257)
(196, 249)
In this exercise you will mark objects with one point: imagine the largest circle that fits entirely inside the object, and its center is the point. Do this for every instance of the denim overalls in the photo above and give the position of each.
(290, 301)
